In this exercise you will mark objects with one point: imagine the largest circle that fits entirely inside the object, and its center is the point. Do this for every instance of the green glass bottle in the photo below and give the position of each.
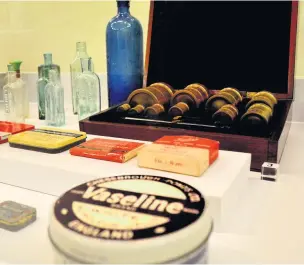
(48, 62)
(43, 76)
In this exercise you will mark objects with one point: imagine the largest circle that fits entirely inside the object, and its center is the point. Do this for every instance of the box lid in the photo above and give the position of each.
(241, 44)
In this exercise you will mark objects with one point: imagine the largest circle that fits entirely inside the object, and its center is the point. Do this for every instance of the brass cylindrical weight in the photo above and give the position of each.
(234, 92)
(225, 96)
(257, 115)
(140, 99)
(123, 108)
(167, 90)
(225, 115)
(264, 97)
(188, 98)
(154, 110)
(259, 110)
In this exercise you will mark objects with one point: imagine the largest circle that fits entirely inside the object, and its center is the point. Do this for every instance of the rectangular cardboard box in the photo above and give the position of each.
(180, 154)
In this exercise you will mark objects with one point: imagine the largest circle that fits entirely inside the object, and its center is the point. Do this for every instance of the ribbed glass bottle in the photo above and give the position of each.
(124, 47)
(16, 102)
(88, 86)
(41, 84)
(54, 100)
(11, 109)
(76, 69)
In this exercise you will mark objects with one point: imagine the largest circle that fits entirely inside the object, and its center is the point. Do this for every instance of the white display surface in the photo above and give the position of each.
(31, 244)
(267, 224)
(222, 184)
(54, 174)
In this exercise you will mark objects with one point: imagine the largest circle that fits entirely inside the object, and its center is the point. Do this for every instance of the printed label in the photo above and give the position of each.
(129, 207)
(6, 101)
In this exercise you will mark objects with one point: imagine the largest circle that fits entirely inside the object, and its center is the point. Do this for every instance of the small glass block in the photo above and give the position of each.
(270, 171)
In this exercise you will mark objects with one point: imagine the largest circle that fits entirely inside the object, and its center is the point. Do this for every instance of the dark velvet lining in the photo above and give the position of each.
(220, 44)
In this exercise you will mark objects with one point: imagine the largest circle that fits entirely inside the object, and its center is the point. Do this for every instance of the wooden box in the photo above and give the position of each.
(246, 45)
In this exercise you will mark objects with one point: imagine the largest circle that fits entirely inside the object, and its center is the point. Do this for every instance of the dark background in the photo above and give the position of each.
(219, 44)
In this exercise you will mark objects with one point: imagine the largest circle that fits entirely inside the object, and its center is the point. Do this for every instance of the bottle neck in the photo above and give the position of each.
(11, 75)
(123, 7)
(81, 50)
(48, 59)
(86, 64)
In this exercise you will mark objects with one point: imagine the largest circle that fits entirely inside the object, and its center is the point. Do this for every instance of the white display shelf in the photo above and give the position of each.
(32, 246)
(269, 215)
(222, 184)
(54, 174)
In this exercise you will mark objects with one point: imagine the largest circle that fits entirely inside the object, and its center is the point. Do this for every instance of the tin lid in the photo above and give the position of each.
(47, 138)
(129, 219)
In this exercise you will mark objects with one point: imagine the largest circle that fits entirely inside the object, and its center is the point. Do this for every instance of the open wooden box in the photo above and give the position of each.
(246, 45)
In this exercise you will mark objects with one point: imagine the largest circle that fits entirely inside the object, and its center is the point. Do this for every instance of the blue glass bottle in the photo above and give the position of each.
(124, 44)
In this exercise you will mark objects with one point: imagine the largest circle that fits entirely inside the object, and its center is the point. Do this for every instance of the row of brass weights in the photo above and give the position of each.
(153, 101)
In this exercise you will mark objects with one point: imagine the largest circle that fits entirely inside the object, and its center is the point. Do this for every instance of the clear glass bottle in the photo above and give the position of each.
(41, 84)
(88, 86)
(75, 68)
(124, 47)
(54, 100)
(48, 62)
(21, 83)
(13, 93)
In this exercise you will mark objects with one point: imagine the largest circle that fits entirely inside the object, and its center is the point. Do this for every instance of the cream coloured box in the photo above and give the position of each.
(180, 154)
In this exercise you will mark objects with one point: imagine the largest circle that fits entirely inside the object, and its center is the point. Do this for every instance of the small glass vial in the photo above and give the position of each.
(88, 87)
(54, 100)
(76, 69)
(41, 84)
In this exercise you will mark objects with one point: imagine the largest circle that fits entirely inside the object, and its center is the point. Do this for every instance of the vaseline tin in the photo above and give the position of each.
(131, 219)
